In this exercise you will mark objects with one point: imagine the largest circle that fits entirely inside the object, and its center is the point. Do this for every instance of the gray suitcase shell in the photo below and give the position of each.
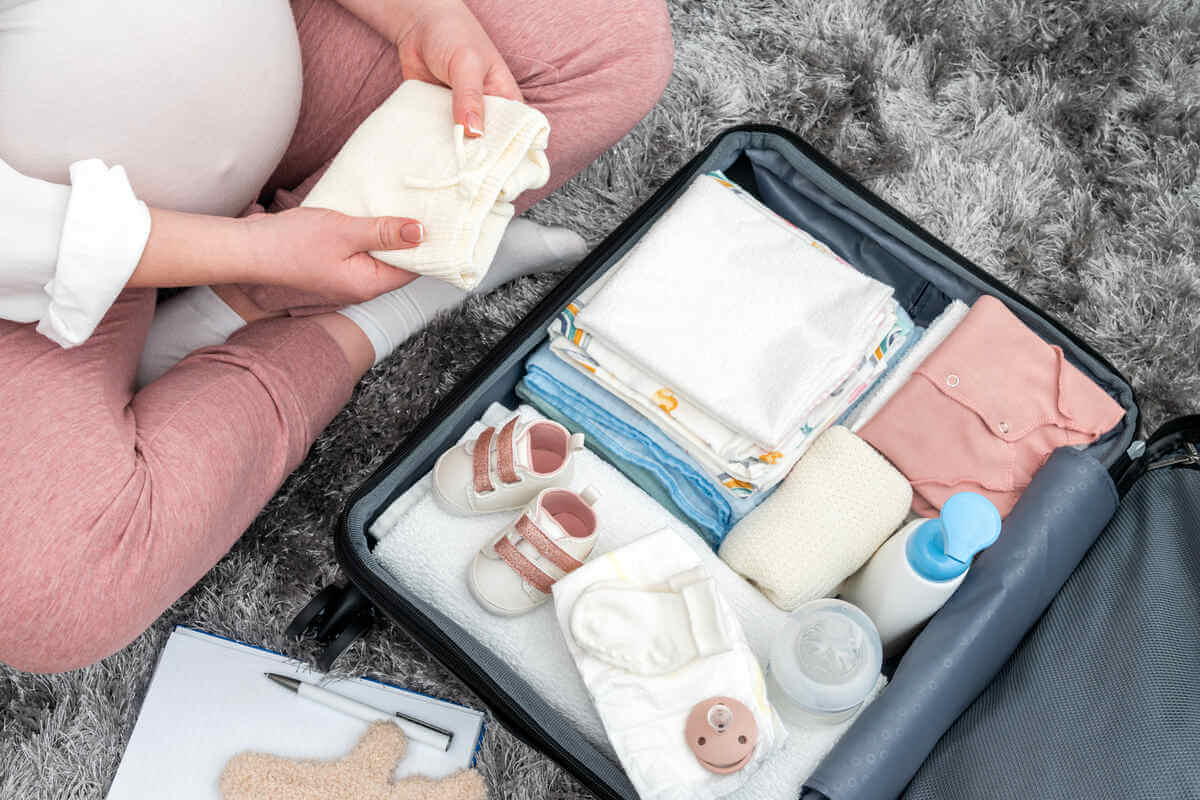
(965, 644)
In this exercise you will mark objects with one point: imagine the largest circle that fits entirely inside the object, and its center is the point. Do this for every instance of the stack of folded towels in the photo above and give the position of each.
(710, 358)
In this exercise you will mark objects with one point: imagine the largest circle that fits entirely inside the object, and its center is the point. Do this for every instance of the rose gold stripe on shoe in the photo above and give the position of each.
(483, 483)
(506, 454)
(523, 566)
(542, 543)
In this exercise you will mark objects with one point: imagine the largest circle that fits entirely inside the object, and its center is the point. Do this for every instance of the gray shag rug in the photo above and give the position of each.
(1055, 143)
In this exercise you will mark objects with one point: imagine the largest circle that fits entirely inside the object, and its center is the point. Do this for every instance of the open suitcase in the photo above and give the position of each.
(960, 650)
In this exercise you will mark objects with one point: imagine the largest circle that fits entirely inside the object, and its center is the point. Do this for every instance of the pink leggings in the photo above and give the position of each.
(113, 503)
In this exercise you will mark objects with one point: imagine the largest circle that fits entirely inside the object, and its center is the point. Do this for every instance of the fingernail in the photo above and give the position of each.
(412, 232)
(474, 124)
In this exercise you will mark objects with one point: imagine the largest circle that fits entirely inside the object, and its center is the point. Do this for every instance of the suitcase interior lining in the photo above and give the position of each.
(794, 185)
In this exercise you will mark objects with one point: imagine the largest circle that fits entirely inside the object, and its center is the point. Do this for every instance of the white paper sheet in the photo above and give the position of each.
(209, 700)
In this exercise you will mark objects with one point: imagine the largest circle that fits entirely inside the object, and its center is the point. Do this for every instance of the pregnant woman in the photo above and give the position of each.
(136, 447)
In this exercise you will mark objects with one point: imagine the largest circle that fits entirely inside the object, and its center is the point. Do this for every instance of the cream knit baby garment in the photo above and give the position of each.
(408, 159)
(834, 509)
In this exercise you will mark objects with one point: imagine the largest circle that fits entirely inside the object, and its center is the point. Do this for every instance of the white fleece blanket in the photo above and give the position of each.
(409, 159)
(742, 313)
(429, 551)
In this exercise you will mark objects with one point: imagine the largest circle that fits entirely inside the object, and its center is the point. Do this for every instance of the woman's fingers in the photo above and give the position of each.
(383, 233)
(369, 276)
(501, 83)
(467, 73)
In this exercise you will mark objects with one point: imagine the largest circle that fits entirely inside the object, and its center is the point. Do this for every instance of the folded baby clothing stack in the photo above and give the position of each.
(642, 477)
(609, 422)
(740, 368)
(652, 637)
(984, 411)
(408, 160)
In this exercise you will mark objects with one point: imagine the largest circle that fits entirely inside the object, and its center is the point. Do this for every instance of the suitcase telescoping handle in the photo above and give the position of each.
(336, 617)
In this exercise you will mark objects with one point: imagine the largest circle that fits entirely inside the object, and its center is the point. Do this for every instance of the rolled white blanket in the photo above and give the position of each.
(408, 159)
(837, 505)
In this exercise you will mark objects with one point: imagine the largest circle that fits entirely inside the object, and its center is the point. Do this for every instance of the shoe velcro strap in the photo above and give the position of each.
(543, 544)
(506, 453)
(523, 566)
(481, 461)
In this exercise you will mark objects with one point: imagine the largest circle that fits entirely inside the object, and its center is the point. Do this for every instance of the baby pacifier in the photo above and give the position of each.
(721, 733)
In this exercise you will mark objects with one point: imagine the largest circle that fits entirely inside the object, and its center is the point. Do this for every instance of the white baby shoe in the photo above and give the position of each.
(513, 572)
(651, 630)
(504, 471)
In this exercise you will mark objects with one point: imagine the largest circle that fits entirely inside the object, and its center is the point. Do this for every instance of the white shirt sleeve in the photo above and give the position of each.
(68, 251)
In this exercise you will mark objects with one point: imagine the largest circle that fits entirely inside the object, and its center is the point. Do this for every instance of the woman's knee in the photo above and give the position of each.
(60, 637)
(644, 53)
(74, 589)
(65, 622)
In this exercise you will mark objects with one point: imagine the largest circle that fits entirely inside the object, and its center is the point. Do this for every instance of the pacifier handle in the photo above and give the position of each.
(722, 733)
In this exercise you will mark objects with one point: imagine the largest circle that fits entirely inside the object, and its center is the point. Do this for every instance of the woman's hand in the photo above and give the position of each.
(302, 248)
(325, 252)
(442, 42)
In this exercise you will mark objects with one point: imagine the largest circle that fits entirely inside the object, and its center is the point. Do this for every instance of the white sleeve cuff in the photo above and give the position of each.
(103, 235)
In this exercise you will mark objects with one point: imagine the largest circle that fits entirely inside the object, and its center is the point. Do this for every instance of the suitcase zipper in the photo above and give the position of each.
(1191, 458)
(1174, 444)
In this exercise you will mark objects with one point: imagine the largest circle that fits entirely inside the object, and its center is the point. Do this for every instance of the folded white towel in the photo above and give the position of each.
(407, 159)
(645, 715)
(934, 335)
(838, 504)
(429, 551)
(756, 348)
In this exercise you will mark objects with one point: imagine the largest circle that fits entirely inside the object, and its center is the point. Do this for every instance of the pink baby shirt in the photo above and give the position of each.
(985, 410)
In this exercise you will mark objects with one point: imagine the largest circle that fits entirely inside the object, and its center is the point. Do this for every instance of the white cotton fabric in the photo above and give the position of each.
(941, 327)
(655, 629)
(196, 101)
(645, 715)
(755, 348)
(68, 251)
(839, 503)
(409, 160)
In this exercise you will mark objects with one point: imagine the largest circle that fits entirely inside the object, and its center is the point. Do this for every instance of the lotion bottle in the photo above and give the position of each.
(915, 571)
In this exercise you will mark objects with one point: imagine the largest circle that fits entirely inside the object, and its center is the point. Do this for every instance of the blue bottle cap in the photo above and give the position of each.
(942, 549)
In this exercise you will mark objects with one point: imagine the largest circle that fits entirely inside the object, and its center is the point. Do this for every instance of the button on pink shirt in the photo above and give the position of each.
(985, 410)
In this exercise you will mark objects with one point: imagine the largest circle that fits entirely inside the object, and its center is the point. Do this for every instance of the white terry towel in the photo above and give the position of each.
(839, 503)
(408, 159)
(645, 715)
(941, 327)
(429, 552)
(735, 309)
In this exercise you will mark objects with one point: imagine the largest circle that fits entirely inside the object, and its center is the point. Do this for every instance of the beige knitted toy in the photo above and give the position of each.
(364, 774)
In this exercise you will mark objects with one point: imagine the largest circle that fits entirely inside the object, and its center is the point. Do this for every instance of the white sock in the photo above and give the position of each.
(525, 248)
(647, 631)
(190, 320)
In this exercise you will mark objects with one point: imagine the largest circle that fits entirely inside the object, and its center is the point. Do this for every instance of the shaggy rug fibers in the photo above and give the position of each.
(1054, 143)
